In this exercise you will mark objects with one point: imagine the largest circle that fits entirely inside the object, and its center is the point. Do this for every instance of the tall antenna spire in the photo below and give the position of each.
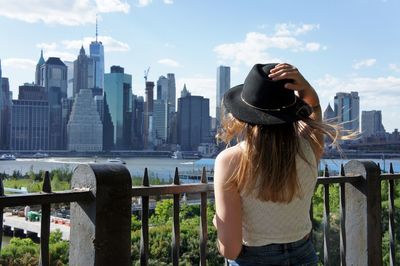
(97, 29)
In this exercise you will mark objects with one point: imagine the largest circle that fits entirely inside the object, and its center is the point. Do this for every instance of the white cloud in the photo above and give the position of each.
(18, 63)
(110, 44)
(145, 2)
(364, 63)
(312, 46)
(64, 56)
(169, 62)
(394, 67)
(372, 91)
(168, 2)
(200, 85)
(107, 6)
(64, 12)
(289, 29)
(254, 48)
(47, 46)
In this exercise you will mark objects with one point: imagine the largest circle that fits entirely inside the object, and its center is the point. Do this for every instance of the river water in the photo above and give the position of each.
(163, 168)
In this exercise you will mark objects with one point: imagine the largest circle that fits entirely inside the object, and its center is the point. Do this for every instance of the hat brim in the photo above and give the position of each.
(242, 111)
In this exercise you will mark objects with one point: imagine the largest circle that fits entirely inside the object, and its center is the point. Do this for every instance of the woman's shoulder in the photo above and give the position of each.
(227, 161)
(229, 154)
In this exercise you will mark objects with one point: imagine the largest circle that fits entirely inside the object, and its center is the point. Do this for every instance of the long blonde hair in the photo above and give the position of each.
(268, 163)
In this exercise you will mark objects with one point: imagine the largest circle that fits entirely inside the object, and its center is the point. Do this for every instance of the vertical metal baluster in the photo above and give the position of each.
(203, 221)
(391, 219)
(175, 224)
(326, 219)
(45, 224)
(144, 240)
(342, 219)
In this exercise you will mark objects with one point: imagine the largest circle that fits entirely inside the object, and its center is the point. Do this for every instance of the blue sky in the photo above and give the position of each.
(338, 45)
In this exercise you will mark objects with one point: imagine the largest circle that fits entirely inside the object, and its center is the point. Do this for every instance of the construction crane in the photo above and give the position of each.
(146, 73)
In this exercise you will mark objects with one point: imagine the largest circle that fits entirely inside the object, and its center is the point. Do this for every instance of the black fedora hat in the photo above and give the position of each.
(263, 101)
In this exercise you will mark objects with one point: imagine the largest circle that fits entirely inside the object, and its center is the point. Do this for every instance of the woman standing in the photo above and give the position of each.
(264, 184)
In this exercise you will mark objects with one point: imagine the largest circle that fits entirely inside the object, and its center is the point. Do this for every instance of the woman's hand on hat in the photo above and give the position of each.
(287, 71)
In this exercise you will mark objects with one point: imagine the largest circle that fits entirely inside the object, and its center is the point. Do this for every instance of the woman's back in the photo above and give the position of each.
(266, 222)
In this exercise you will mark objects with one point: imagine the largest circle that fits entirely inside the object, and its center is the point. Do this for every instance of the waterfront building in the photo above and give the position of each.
(97, 54)
(160, 121)
(83, 72)
(371, 124)
(29, 125)
(5, 112)
(193, 120)
(118, 88)
(105, 117)
(347, 110)
(84, 129)
(166, 91)
(66, 108)
(223, 84)
(137, 121)
(53, 77)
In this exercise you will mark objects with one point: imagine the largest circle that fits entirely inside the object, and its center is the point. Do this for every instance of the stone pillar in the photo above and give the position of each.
(363, 214)
(101, 229)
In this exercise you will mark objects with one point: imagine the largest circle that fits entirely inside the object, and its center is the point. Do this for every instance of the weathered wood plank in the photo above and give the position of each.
(171, 189)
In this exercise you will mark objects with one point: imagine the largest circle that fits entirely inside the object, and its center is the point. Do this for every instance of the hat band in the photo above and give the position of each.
(271, 110)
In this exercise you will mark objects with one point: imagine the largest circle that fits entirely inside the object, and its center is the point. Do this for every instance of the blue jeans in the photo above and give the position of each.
(297, 253)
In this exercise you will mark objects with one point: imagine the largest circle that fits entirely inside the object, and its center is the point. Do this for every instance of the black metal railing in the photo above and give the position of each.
(101, 201)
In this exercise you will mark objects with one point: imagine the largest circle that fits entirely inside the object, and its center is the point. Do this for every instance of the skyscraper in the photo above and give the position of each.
(97, 54)
(329, 114)
(5, 103)
(85, 130)
(29, 125)
(371, 124)
(148, 115)
(83, 72)
(118, 88)
(160, 120)
(347, 110)
(193, 121)
(38, 66)
(223, 84)
(53, 77)
(166, 91)
(53, 74)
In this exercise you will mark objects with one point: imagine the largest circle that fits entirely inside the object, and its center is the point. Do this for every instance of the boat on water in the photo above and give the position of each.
(116, 160)
(40, 155)
(185, 155)
(7, 157)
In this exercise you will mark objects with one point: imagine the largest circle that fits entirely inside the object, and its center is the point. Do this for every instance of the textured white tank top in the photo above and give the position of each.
(265, 223)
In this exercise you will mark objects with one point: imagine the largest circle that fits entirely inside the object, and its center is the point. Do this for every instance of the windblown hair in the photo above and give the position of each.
(268, 163)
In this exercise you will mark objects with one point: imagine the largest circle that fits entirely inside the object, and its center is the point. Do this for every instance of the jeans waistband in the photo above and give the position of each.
(281, 246)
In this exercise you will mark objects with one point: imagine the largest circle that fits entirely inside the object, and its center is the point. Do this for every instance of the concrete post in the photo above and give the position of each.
(363, 214)
(100, 229)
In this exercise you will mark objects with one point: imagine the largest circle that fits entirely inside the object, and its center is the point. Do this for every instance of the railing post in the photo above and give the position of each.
(100, 230)
(363, 214)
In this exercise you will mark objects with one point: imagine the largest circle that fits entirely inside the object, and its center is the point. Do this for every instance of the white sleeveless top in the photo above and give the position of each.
(265, 223)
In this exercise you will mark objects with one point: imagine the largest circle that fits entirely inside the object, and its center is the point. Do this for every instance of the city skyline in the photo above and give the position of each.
(353, 53)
